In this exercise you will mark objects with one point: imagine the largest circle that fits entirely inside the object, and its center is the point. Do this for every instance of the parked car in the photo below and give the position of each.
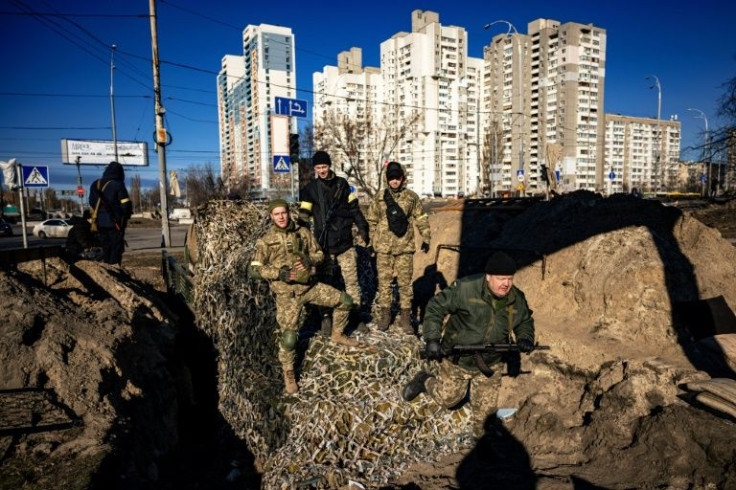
(56, 228)
(5, 228)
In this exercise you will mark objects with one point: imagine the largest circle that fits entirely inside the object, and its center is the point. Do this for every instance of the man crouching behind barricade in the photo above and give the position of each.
(286, 256)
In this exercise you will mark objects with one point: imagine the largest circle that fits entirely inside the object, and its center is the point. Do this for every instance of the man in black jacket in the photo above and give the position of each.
(111, 209)
(329, 204)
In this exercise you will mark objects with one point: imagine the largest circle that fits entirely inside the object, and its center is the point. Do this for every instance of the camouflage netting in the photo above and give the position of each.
(348, 421)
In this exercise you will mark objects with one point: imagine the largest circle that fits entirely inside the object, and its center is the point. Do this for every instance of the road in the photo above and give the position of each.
(138, 239)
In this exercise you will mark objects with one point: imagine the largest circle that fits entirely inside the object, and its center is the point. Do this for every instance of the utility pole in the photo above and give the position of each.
(112, 102)
(79, 185)
(161, 135)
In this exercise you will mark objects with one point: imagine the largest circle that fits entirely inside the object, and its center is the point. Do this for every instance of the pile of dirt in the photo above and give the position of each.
(87, 390)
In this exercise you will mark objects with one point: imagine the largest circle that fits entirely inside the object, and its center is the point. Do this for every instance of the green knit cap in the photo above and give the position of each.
(277, 203)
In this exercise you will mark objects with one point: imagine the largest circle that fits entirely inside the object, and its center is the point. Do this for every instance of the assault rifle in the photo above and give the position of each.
(467, 350)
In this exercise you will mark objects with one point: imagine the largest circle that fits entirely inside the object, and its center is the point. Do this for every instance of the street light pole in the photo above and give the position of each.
(659, 126)
(520, 78)
(706, 149)
(112, 102)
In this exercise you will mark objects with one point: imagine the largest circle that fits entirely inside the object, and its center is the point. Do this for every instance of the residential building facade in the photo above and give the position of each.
(246, 88)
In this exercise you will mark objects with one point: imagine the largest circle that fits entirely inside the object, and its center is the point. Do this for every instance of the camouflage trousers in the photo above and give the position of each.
(451, 385)
(389, 267)
(348, 263)
(290, 302)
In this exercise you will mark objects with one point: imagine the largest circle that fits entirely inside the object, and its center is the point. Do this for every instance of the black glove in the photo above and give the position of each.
(433, 350)
(285, 275)
(425, 247)
(525, 345)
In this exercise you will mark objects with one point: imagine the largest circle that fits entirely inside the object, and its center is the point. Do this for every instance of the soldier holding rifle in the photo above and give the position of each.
(484, 310)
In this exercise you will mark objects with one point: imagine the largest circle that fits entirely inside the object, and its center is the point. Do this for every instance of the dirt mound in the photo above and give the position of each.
(87, 358)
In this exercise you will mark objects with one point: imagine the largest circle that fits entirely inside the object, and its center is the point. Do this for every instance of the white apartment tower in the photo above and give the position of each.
(246, 88)
(566, 101)
(632, 148)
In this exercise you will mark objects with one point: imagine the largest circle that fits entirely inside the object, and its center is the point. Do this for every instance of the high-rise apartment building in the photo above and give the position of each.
(246, 88)
(427, 91)
(641, 153)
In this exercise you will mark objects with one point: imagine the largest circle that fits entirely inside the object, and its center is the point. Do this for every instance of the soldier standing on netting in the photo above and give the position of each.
(286, 256)
(329, 202)
(483, 309)
(392, 216)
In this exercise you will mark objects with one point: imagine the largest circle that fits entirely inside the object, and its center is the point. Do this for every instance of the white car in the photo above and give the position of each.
(52, 228)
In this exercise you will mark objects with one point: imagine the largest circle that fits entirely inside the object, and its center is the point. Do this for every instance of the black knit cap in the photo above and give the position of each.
(394, 171)
(500, 264)
(321, 158)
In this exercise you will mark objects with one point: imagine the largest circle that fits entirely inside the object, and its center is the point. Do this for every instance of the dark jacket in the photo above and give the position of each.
(477, 317)
(80, 238)
(115, 207)
(334, 209)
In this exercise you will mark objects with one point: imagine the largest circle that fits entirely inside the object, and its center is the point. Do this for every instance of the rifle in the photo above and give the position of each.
(466, 350)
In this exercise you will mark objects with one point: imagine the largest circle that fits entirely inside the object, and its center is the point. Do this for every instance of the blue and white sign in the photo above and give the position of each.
(291, 107)
(520, 175)
(557, 175)
(612, 175)
(702, 177)
(281, 164)
(36, 176)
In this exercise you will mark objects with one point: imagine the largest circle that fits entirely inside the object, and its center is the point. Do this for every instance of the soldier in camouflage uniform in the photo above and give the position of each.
(287, 256)
(483, 308)
(395, 254)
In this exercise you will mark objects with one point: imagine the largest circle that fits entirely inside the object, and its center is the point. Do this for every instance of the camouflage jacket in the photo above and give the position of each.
(281, 248)
(477, 317)
(382, 238)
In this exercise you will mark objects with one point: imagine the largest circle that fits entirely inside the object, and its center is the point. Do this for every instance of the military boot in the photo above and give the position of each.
(384, 319)
(340, 339)
(416, 386)
(326, 326)
(405, 322)
(290, 385)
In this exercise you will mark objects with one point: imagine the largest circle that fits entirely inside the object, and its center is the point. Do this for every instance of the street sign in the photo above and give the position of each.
(702, 177)
(612, 175)
(290, 107)
(281, 164)
(36, 176)
(557, 175)
(520, 175)
(80, 191)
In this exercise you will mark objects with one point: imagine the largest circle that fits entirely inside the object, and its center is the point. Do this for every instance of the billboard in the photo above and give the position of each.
(99, 152)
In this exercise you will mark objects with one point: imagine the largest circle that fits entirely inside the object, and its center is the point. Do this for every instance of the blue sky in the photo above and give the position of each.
(56, 69)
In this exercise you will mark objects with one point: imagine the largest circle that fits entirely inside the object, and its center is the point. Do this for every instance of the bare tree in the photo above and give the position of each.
(358, 147)
(492, 155)
(202, 184)
(135, 191)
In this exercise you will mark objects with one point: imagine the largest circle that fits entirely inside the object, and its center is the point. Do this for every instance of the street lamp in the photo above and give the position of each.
(512, 30)
(659, 124)
(112, 101)
(706, 150)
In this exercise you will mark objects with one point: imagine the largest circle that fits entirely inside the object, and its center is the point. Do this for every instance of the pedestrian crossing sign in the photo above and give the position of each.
(281, 164)
(36, 176)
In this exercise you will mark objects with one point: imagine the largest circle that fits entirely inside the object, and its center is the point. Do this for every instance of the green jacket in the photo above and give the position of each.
(382, 239)
(477, 317)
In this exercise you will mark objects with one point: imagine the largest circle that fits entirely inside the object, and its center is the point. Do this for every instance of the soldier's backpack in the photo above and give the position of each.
(398, 223)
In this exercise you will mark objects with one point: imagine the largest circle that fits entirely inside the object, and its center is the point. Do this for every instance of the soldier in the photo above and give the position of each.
(483, 308)
(111, 210)
(392, 216)
(328, 201)
(286, 256)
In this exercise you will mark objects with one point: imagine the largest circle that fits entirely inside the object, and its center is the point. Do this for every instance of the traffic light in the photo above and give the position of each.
(294, 148)
(545, 175)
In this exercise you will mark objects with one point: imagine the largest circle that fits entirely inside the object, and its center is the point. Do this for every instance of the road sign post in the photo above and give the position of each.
(290, 107)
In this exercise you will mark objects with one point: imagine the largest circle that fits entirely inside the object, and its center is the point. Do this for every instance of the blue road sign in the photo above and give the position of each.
(281, 164)
(557, 175)
(702, 177)
(612, 175)
(35, 176)
(291, 107)
(520, 175)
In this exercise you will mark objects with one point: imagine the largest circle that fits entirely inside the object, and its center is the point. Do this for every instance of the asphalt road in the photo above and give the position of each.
(138, 239)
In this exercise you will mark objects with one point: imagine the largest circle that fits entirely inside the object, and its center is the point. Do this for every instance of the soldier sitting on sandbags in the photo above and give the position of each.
(287, 256)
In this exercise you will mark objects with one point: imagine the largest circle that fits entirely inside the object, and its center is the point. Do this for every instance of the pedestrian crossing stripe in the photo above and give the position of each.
(36, 178)
(281, 165)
